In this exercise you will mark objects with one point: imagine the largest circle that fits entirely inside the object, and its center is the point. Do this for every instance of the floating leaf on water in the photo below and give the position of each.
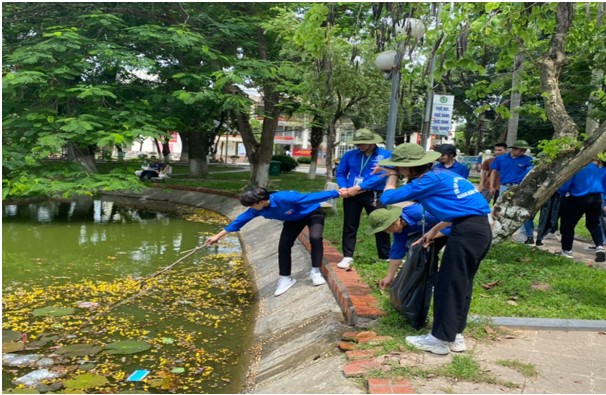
(126, 347)
(168, 340)
(178, 370)
(53, 311)
(12, 347)
(78, 350)
(85, 381)
(21, 391)
(10, 336)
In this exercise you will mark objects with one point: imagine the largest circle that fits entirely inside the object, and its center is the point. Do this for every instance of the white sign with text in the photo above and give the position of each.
(441, 114)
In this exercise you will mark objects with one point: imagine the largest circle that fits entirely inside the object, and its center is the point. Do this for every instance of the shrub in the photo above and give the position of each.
(304, 160)
(286, 163)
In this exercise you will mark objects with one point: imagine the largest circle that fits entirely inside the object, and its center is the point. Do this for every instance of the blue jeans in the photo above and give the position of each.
(528, 225)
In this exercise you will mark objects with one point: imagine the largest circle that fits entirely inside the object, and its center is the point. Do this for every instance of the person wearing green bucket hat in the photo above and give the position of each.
(362, 190)
(455, 202)
(511, 168)
(401, 222)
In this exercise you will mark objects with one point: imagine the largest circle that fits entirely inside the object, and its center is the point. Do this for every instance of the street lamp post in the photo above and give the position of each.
(390, 62)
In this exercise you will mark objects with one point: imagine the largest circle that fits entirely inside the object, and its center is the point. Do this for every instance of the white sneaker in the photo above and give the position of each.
(458, 345)
(600, 255)
(550, 236)
(345, 263)
(429, 343)
(316, 278)
(284, 284)
(565, 254)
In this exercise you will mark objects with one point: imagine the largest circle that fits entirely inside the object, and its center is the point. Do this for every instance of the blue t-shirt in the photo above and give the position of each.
(284, 206)
(444, 194)
(585, 181)
(456, 167)
(355, 164)
(512, 170)
(413, 216)
(603, 173)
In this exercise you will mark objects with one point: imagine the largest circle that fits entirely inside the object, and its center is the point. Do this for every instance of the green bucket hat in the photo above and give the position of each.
(382, 218)
(521, 144)
(410, 155)
(366, 136)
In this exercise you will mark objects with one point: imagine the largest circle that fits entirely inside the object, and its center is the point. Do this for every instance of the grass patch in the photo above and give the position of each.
(526, 369)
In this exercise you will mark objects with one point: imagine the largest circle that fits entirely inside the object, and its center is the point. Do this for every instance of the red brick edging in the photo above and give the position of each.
(353, 295)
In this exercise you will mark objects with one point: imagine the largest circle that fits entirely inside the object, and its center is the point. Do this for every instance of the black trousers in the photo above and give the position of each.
(572, 209)
(352, 211)
(290, 232)
(467, 245)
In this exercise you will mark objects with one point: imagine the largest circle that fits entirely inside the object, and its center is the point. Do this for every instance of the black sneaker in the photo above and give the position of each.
(529, 240)
(539, 242)
(600, 255)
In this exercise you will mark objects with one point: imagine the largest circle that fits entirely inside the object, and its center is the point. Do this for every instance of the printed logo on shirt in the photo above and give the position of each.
(457, 191)
(289, 212)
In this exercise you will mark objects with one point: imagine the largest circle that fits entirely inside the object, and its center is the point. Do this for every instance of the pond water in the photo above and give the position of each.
(90, 273)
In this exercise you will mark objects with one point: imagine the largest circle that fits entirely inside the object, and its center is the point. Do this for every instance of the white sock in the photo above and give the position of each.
(285, 277)
(315, 270)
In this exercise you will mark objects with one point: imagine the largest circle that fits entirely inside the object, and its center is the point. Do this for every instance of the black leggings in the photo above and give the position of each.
(352, 211)
(290, 232)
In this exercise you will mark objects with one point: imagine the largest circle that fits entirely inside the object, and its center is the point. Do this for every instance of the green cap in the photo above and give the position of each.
(410, 155)
(382, 218)
(521, 144)
(366, 136)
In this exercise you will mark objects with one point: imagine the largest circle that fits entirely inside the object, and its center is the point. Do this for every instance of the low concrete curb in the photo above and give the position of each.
(549, 323)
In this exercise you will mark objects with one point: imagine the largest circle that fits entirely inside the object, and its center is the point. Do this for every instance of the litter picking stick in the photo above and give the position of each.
(187, 253)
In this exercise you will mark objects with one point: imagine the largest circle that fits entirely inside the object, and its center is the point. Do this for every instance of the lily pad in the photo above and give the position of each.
(21, 391)
(12, 347)
(53, 311)
(126, 347)
(168, 340)
(78, 350)
(178, 370)
(10, 336)
(85, 381)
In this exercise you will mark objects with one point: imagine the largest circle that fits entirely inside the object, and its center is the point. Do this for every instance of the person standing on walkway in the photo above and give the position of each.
(582, 195)
(297, 210)
(402, 223)
(362, 189)
(447, 160)
(491, 192)
(512, 168)
(454, 201)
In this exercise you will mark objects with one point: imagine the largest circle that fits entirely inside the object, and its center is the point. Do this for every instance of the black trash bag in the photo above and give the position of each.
(412, 288)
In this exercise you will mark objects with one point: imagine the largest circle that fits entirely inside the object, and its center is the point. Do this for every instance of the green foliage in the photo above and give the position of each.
(304, 160)
(287, 163)
(552, 148)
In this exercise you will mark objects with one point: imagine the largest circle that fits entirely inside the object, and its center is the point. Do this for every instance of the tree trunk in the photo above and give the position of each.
(331, 138)
(315, 138)
(82, 157)
(522, 202)
(197, 158)
(184, 147)
(516, 98)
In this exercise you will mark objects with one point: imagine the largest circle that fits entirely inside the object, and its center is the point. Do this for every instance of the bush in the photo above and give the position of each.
(286, 163)
(304, 160)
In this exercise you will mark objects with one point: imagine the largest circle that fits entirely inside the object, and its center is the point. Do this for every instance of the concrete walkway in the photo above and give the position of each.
(297, 333)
